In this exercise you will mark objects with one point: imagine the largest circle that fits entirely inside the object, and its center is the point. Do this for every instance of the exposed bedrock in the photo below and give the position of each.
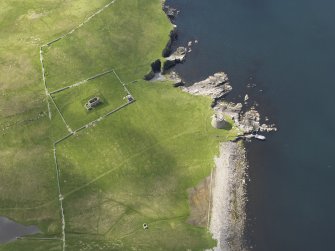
(155, 68)
(216, 86)
(172, 37)
(170, 12)
(250, 122)
(177, 57)
(176, 79)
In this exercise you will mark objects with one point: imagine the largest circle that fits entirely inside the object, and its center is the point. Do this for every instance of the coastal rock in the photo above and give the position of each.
(230, 109)
(174, 77)
(168, 48)
(268, 128)
(178, 83)
(249, 121)
(170, 12)
(168, 65)
(156, 66)
(215, 86)
(177, 57)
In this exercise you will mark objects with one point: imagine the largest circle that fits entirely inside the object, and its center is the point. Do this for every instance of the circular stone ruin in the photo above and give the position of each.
(219, 122)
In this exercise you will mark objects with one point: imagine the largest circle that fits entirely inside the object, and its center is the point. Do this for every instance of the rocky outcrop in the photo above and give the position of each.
(171, 59)
(167, 65)
(232, 110)
(155, 68)
(177, 57)
(172, 37)
(177, 81)
(268, 128)
(216, 86)
(250, 122)
(170, 12)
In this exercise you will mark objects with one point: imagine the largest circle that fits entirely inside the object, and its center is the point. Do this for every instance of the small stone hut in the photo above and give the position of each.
(93, 102)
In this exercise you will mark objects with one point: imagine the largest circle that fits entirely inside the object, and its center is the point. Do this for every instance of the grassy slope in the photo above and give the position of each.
(136, 167)
(71, 102)
(133, 167)
(27, 176)
(129, 35)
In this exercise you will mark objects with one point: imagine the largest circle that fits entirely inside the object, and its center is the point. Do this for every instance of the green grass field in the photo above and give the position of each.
(71, 102)
(133, 167)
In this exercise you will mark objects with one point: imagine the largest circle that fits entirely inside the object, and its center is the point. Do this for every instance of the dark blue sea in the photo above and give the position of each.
(286, 50)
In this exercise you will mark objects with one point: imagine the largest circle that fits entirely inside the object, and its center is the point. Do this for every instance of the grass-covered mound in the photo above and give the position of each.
(131, 168)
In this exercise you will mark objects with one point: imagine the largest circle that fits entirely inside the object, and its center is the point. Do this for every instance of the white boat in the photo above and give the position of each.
(260, 137)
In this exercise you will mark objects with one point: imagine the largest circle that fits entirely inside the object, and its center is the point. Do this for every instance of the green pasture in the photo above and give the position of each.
(127, 35)
(135, 168)
(71, 102)
(131, 168)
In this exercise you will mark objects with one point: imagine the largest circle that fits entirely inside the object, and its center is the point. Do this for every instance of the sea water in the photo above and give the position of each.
(281, 53)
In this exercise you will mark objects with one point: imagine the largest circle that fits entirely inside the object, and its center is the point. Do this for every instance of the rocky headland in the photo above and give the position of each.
(225, 189)
(228, 186)
(217, 87)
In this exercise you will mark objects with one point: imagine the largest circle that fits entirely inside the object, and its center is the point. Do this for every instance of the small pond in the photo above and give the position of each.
(10, 230)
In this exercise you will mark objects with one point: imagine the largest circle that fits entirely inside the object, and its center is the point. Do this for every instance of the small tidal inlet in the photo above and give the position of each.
(10, 230)
(280, 53)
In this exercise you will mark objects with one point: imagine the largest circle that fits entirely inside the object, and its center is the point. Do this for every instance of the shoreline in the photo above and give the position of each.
(227, 195)
(226, 220)
(227, 215)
